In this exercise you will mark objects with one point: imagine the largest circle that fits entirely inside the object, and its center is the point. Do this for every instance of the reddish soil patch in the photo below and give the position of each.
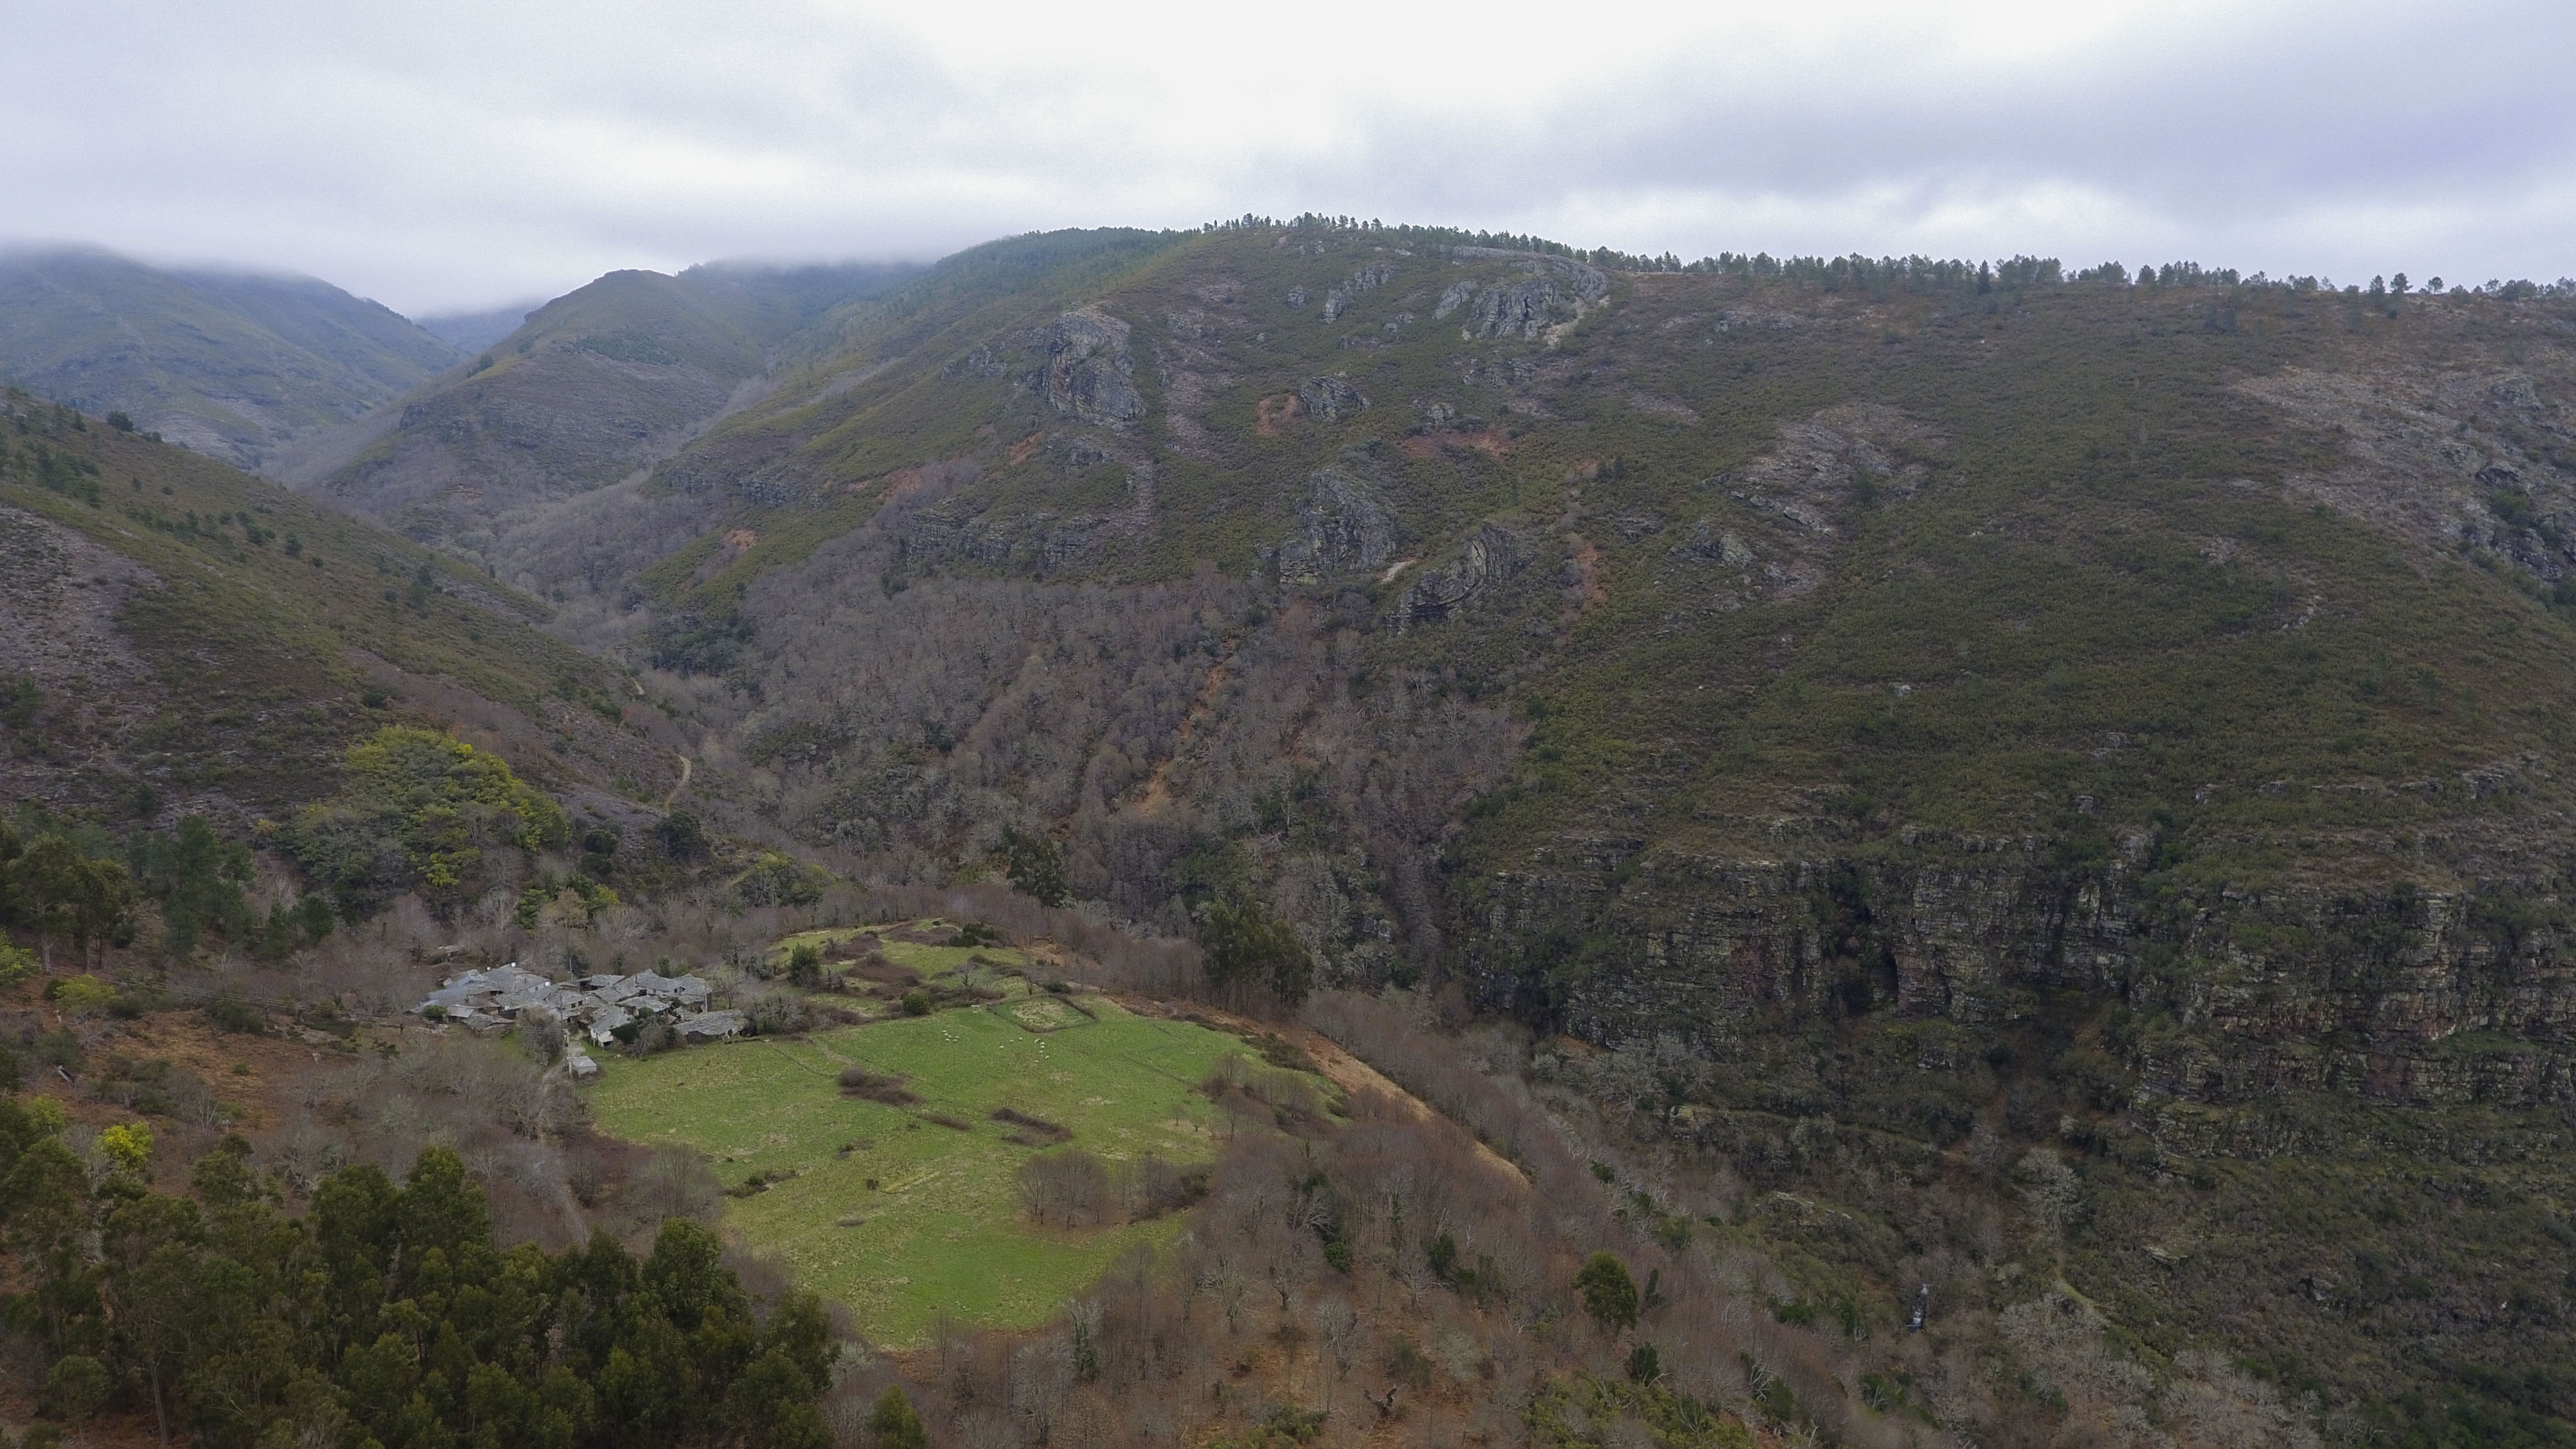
(1023, 450)
(1272, 412)
(1157, 792)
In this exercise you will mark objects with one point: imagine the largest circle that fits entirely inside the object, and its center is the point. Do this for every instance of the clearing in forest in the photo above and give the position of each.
(904, 1212)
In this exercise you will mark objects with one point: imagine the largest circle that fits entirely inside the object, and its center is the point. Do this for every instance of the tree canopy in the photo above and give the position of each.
(385, 1316)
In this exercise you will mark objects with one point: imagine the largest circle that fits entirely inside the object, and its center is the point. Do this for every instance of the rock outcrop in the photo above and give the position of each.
(1490, 555)
(1089, 372)
(1338, 300)
(2415, 999)
(1344, 526)
(1331, 398)
(1556, 293)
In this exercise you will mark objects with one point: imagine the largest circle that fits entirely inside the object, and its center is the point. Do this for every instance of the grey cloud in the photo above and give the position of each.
(445, 156)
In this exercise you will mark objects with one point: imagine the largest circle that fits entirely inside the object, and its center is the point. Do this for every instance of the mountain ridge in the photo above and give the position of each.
(239, 365)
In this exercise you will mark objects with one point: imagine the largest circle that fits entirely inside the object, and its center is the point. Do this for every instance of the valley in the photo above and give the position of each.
(1992, 838)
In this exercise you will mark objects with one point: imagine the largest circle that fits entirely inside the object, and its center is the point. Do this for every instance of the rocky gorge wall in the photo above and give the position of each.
(2400, 997)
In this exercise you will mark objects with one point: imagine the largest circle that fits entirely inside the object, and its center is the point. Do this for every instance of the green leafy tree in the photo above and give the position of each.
(128, 1146)
(895, 1424)
(1246, 946)
(76, 1386)
(418, 811)
(1608, 1293)
(1036, 867)
(61, 891)
(150, 1251)
(386, 1314)
(682, 837)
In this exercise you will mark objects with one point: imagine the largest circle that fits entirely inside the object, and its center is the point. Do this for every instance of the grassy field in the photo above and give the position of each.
(896, 1216)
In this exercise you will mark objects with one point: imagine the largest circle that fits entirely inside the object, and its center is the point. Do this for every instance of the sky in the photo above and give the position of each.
(448, 155)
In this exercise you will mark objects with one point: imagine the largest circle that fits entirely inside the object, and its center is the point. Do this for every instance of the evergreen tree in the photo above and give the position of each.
(1036, 867)
(1609, 1294)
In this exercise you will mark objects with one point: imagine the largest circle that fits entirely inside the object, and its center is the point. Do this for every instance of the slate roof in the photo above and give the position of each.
(602, 1003)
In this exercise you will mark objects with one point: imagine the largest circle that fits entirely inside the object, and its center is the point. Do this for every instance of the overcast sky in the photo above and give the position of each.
(447, 154)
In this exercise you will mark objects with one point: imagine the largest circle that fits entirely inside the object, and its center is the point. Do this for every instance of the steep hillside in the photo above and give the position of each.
(178, 637)
(235, 365)
(594, 387)
(2094, 748)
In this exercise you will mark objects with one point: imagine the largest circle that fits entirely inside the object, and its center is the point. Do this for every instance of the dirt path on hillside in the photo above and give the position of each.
(1157, 792)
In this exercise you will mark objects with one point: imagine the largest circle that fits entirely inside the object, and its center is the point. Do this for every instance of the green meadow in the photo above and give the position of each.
(892, 1213)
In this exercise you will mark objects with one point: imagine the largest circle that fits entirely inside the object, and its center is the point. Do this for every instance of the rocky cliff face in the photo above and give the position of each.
(1556, 294)
(2402, 997)
(1088, 372)
(1344, 526)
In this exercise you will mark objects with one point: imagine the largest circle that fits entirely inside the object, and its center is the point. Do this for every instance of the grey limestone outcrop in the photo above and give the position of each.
(1343, 526)
(1555, 292)
(1331, 397)
(1490, 555)
(1089, 371)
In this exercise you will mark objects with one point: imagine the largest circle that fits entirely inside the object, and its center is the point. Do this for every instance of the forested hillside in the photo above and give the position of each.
(593, 388)
(239, 366)
(179, 637)
(1999, 832)
(2097, 736)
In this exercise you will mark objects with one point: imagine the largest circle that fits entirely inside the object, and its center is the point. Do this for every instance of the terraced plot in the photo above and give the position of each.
(891, 1212)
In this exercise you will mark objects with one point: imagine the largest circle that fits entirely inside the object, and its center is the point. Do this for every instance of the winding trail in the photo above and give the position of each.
(676, 789)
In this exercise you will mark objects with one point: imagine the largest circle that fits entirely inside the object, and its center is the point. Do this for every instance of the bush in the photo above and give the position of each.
(128, 1146)
(916, 1002)
(894, 1424)
(1031, 1131)
(682, 837)
(229, 1013)
(60, 1049)
(80, 995)
(1069, 1187)
(776, 1013)
(805, 966)
(542, 1037)
(776, 880)
(875, 1087)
